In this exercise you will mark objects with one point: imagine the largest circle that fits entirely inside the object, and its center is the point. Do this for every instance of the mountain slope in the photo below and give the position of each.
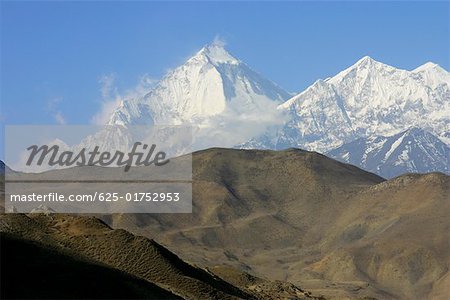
(411, 151)
(290, 215)
(259, 204)
(259, 211)
(81, 248)
(57, 275)
(294, 215)
(395, 236)
(92, 239)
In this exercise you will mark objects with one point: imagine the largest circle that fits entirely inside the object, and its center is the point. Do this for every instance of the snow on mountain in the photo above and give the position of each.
(410, 151)
(212, 90)
(363, 112)
(367, 99)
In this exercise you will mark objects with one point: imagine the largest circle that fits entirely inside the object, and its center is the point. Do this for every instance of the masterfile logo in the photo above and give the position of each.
(94, 157)
(93, 169)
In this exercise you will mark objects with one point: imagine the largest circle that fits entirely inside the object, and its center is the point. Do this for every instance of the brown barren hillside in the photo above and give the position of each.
(139, 256)
(395, 236)
(257, 198)
(299, 216)
(294, 216)
(83, 248)
(32, 270)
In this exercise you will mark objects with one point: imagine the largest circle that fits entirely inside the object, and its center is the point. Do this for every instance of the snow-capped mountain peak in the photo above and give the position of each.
(234, 105)
(212, 89)
(371, 101)
(217, 54)
(318, 86)
(363, 70)
(366, 61)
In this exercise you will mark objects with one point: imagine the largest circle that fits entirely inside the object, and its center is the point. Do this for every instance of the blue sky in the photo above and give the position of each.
(56, 57)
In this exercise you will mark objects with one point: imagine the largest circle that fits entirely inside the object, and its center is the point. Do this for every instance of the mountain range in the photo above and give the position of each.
(298, 216)
(230, 105)
(367, 99)
(292, 215)
(383, 119)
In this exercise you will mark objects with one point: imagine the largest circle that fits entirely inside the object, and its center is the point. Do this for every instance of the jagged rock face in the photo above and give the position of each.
(411, 151)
